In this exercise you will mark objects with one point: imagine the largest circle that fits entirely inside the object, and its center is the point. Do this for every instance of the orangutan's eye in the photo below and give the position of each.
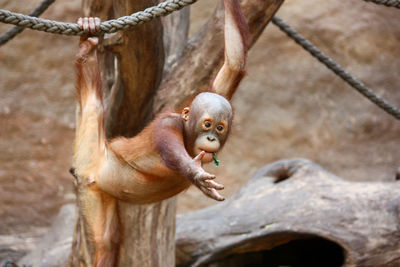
(220, 128)
(207, 124)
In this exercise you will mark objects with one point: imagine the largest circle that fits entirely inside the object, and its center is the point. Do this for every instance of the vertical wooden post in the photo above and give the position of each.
(132, 65)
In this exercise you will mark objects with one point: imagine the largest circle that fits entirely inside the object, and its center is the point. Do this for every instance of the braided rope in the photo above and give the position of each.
(389, 3)
(11, 33)
(109, 26)
(170, 6)
(336, 68)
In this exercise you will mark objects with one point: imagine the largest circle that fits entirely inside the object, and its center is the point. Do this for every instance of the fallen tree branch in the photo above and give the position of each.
(295, 201)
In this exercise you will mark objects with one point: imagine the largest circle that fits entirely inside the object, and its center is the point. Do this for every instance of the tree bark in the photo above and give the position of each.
(142, 72)
(296, 209)
(203, 55)
(291, 213)
(132, 66)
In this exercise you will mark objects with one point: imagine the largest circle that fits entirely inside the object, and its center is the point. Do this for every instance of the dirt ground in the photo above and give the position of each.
(288, 106)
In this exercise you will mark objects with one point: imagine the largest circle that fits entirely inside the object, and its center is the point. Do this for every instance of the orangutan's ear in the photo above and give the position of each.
(185, 114)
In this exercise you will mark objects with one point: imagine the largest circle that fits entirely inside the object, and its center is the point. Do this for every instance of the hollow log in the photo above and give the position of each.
(294, 213)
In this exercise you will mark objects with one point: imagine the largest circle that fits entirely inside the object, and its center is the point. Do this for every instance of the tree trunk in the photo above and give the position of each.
(132, 65)
(141, 72)
(294, 213)
(203, 55)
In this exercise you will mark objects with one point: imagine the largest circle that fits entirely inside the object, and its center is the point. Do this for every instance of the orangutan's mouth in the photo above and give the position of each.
(208, 156)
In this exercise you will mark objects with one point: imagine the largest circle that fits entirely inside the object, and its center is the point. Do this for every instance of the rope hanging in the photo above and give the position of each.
(336, 68)
(122, 23)
(389, 3)
(11, 33)
(169, 6)
(109, 26)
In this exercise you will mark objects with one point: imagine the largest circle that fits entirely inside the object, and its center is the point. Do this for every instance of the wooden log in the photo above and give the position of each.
(294, 213)
(132, 64)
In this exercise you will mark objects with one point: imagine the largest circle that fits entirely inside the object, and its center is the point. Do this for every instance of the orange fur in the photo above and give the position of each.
(107, 232)
(128, 169)
(136, 169)
(233, 69)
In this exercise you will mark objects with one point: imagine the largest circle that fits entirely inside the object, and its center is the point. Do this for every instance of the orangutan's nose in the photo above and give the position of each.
(210, 138)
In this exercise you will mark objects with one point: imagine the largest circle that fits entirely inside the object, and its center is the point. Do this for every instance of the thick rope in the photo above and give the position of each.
(11, 33)
(170, 6)
(389, 3)
(109, 26)
(336, 68)
(122, 23)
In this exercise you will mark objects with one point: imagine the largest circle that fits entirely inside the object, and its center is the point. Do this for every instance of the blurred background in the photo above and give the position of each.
(288, 105)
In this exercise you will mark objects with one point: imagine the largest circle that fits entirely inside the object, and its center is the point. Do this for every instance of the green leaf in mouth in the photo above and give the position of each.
(216, 161)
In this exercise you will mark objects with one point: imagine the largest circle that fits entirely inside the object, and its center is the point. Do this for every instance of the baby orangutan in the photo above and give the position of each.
(163, 159)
